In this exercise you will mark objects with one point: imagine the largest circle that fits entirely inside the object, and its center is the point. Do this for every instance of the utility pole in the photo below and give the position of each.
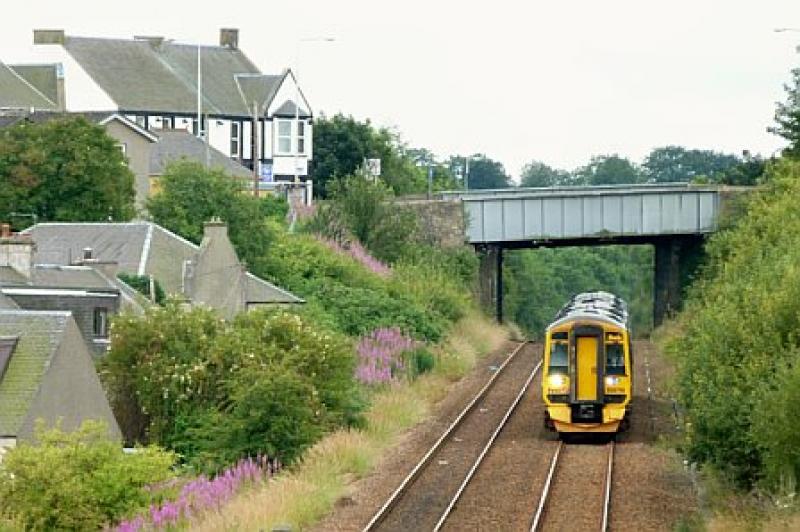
(254, 148)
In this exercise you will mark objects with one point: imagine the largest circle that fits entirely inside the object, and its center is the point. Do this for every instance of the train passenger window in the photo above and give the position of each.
(559, 361)
(615, 359)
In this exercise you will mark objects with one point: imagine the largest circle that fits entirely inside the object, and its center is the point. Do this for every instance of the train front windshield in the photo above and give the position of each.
(559, 359)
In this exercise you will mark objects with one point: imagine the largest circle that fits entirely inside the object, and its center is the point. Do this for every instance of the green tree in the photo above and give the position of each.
(191, 194)
(65, 169)
(538, 174)
(341, 143)
(484, 173)
(609, 170)
(787, 116)
(672, 164)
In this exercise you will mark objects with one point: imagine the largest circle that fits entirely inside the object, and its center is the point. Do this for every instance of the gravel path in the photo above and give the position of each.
(366, 495)
(650, 489)
(506, 487)
(427, 497)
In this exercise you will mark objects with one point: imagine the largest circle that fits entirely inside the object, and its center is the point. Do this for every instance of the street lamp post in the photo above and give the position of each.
(297, 103)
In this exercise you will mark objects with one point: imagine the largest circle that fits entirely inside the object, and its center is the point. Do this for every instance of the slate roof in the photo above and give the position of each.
(288, 109)
(7, 303)
(138, 247)
(100, 118)
(60, 276)
(139, 75)
(177, 144)
(9, 276)
(40, 334)
(44, 77)
(15, 92)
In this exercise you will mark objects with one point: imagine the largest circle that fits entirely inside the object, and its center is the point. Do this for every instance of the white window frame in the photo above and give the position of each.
(283, 136)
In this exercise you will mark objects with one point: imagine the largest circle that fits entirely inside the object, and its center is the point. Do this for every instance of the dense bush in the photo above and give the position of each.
(217, 391)
(737, 371)
(78, 480)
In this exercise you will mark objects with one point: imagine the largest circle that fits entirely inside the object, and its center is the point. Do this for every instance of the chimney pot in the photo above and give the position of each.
(229, 38)
(49, 37)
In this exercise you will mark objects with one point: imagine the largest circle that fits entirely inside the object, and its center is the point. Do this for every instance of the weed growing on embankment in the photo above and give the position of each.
(306, 493)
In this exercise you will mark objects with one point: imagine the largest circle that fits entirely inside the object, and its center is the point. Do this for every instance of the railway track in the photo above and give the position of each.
(426, 497)
(540, 519)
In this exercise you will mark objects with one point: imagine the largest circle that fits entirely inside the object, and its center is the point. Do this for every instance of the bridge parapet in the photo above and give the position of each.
(553, 216)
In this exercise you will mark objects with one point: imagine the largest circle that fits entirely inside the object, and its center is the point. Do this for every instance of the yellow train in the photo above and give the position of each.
(587, 381)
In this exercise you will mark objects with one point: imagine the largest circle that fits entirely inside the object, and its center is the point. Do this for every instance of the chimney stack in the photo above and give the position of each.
(49, 37)
(229, 38)
(16, 250)
(215, 228)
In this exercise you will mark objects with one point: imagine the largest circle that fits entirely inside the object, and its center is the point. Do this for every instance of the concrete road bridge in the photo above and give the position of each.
(674, 218)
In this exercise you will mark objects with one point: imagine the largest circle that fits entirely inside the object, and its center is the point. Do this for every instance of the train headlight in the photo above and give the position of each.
(613, 380)
(557, 381)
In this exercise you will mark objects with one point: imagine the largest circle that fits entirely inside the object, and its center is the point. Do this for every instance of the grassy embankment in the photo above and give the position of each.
(310, 489)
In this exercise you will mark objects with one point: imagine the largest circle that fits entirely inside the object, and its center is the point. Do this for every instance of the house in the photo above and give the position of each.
(209, 274)
(154, 82)
(46, 373)
(91, 292)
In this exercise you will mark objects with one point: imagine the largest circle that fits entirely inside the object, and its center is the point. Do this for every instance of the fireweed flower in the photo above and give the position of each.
(380, 355)
(202, 494)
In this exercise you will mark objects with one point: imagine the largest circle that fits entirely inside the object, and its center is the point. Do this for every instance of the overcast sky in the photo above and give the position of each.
(552, 81)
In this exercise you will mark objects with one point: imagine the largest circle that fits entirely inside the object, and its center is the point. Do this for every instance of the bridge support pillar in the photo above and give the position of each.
(676, 260)
(490, 280)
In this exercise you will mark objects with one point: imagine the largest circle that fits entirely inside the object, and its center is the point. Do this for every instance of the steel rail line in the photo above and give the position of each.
(486, 448)
(539, 516)
(390, 503)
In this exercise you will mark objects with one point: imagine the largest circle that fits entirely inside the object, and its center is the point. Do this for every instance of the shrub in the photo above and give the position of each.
(78, 480)
(736, 358)
(141, 283)
(266, 383)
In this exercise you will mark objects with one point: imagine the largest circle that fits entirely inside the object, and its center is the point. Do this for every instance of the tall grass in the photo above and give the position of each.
(304, 495)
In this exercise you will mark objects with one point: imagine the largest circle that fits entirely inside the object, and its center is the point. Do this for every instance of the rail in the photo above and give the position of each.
(391, 502)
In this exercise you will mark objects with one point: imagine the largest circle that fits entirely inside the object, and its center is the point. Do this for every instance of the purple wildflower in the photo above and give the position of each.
(356, 251)
(202, 494)
(380, 355)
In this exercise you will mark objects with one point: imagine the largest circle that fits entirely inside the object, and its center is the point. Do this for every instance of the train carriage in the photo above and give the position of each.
(588, 366)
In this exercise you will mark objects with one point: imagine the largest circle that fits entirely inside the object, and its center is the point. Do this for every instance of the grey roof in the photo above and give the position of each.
(143, 76)
(6, 303)
(39, 334)
(259, 88)
(174, 145)
(138, 247)
(288, 109)
(15, 92)
(63, 243)
(11, 277)
(61, 276)
(44, 77)
(100, 118)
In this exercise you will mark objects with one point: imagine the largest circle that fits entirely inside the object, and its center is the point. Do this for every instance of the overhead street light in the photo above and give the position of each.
(297, 103)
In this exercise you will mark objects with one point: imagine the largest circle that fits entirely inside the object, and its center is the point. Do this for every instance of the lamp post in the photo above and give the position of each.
(297, 103)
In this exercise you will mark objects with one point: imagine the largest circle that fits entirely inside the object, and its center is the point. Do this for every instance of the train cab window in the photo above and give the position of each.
(615, 359)
(559, 361)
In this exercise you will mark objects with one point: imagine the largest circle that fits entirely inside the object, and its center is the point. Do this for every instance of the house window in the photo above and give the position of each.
(123, 148)
(284, 136)
(234, 139)
(301, 136)
(140, 121)
(166, 122)
(101, 322)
